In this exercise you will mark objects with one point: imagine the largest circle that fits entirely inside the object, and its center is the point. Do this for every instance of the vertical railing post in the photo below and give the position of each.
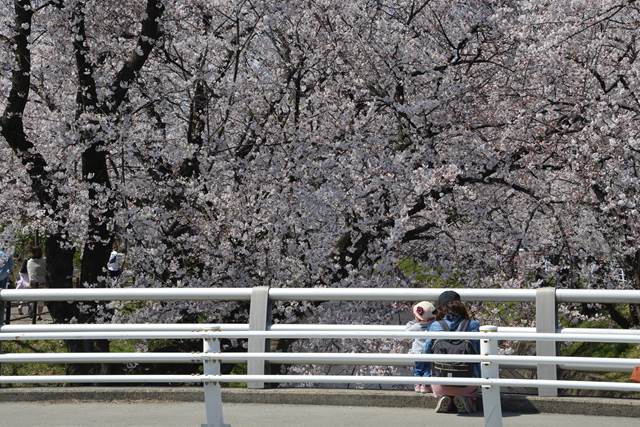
(546, 322)
(259, 320)
(212, 389)
(491, 405)
(2, 308)
(5, 308)
(1, 324)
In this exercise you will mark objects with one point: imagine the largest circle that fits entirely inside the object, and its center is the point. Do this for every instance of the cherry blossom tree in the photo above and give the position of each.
(72, 138)
(323, 143)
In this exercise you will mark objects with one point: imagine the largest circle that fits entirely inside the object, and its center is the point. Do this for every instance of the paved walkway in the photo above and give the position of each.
(176, 414)
(25, 318)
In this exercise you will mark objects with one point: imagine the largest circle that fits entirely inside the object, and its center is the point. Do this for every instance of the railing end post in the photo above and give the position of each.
(546, 322)
(2, 323)
(259, 320)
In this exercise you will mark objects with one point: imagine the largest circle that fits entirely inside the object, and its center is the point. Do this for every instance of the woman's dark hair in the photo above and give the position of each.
(455, 308)
(36, 252)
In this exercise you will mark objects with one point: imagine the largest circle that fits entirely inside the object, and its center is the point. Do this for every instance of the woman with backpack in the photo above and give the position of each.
(452, 315)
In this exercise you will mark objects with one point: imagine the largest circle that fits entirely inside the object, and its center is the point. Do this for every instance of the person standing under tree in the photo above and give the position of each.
(37, 272)
(6, 267)
(116, 262)
(22, 282)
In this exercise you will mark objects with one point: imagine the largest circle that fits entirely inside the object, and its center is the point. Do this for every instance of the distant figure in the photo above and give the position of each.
(423, 316)
(37, 271)
(22, 282)
(6, 267)
(116, 261)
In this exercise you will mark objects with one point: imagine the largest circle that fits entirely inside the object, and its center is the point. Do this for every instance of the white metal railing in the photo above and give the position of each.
(315, 294)
(311, 358)
(259, 329)
(138, 335)
(127, 294)
(211, 357)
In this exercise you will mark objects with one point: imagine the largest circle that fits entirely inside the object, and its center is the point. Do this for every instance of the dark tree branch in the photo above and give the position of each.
(86, 94)
(147, 39)
(58, 252)
(416, 233)
(11, 123)
(56, 3)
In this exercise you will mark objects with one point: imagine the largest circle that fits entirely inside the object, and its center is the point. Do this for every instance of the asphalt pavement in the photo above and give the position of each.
(183, 414)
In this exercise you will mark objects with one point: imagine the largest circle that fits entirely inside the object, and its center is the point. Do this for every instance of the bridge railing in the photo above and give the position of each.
(211, 358)
(259, 330)
(261, 299)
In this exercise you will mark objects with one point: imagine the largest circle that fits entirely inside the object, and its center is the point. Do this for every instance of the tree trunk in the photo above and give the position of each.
(60, 275)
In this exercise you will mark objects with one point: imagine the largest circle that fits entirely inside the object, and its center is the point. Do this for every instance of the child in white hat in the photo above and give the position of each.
(423, 316)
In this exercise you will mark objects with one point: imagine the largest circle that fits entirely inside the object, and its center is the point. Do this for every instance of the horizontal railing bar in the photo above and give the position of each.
(587, 385)
(278, 294)
(333, 327)
(113, 327)
(522, 336)
(101, 357)
(327, 327)
(331, 379)
(83, 379)
(598, 331)
(395, 294)
(589, 368)
(127, 294)
(602, 296)
(303, 358)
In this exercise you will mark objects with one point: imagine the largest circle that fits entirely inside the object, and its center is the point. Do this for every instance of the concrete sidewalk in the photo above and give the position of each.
(183, 414)
(520, 404)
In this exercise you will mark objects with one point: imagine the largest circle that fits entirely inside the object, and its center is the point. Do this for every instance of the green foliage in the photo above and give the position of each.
(32, 368)
(77, 267)
(238, 369)
(592, 349)
(516, 314)
(611, 350)
(122, 346)
(132, 307)
(426, 277)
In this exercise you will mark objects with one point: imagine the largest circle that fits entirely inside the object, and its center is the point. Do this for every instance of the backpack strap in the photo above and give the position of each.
(444, 325)
(462, 327)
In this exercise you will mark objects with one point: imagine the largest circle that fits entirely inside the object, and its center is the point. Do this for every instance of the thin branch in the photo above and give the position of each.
(615, 9)
(416, 11)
